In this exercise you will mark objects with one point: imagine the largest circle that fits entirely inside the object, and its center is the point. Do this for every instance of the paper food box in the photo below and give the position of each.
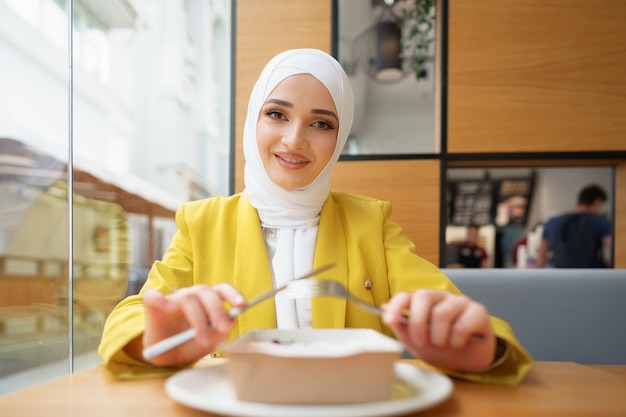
(313, 366)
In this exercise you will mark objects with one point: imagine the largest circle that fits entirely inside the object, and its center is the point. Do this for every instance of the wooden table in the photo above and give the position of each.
(550, 389)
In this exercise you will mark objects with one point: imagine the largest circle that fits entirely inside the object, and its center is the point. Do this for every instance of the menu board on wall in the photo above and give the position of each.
(489, 201)
(471, 202)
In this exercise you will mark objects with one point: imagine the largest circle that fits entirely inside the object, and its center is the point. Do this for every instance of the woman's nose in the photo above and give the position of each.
(294, 136)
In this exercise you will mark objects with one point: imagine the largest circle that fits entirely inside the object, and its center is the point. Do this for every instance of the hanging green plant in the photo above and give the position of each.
(417, 24)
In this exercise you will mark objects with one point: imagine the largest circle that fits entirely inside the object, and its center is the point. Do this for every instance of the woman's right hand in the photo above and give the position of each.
(196, 307)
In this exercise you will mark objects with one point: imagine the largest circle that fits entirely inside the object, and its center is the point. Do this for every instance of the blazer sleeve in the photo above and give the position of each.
(127, 320)
(409, 272)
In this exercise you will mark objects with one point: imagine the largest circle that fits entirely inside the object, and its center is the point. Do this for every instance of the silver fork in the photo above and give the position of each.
(324, 287)
(178, 339)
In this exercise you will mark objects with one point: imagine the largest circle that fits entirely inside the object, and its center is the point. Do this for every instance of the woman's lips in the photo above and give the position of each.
(290, 162)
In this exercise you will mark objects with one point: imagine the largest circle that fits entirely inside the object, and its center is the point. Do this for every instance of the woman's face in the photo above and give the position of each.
(297, 131)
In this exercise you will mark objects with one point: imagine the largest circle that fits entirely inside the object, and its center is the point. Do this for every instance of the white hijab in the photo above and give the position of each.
(295, 213)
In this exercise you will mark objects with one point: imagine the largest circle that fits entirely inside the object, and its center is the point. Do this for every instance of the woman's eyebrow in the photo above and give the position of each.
(279, 102)
(325, 112)
(290, 105)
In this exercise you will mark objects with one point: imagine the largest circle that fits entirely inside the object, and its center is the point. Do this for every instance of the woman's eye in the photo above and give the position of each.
(323, 125)
(275, 114)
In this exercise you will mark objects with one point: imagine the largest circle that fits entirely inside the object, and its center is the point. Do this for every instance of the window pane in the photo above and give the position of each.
(33, 203)
(511, 206)
(150, 129)
(394, 98)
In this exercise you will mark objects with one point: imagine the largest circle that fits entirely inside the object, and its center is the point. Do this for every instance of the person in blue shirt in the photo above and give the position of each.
(579, 239)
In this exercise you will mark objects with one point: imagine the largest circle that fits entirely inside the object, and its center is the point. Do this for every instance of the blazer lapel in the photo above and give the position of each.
(330, 312)
(253, 276)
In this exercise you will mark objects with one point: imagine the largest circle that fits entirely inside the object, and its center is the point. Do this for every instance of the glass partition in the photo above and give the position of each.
(33, 184)
(95, 161)
(388, 49)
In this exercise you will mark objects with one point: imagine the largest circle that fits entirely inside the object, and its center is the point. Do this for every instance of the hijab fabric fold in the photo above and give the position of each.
(294, 213)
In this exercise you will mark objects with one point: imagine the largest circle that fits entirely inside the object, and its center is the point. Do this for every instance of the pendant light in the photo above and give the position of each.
(378, 49)
(388, 62)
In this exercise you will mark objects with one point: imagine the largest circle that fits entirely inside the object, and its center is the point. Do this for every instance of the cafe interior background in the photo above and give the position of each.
(117, 122)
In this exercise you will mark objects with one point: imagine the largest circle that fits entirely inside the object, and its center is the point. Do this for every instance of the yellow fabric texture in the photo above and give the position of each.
(355, 233)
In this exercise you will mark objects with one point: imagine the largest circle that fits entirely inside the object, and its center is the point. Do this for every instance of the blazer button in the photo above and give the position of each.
(368, 284)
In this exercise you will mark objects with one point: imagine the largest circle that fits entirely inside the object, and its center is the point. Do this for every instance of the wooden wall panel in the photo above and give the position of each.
(536, 75)
(263, 29)
(619, 241)
(413, 188)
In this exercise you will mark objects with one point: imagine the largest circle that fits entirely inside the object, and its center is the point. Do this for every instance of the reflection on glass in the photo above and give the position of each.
(150, 129)
(33, 210)
(33, 259)
(392, 115)
(510, 206)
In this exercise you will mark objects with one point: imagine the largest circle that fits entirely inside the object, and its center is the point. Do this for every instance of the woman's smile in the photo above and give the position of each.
(291, 162)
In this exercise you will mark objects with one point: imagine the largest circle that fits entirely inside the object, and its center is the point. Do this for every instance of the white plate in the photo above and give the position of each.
(209, 389)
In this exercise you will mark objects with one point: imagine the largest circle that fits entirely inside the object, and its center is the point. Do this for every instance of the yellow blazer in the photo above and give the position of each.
(220, 240)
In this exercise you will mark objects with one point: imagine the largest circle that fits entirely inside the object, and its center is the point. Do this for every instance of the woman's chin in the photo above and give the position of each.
(290, 182)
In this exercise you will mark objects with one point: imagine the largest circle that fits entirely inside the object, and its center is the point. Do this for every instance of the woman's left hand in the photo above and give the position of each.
(442, 329)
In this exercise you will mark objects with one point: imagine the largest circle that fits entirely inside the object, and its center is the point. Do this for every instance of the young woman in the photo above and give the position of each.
(286, 222)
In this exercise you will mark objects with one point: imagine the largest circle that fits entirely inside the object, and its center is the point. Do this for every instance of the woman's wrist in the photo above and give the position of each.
(501, 353)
